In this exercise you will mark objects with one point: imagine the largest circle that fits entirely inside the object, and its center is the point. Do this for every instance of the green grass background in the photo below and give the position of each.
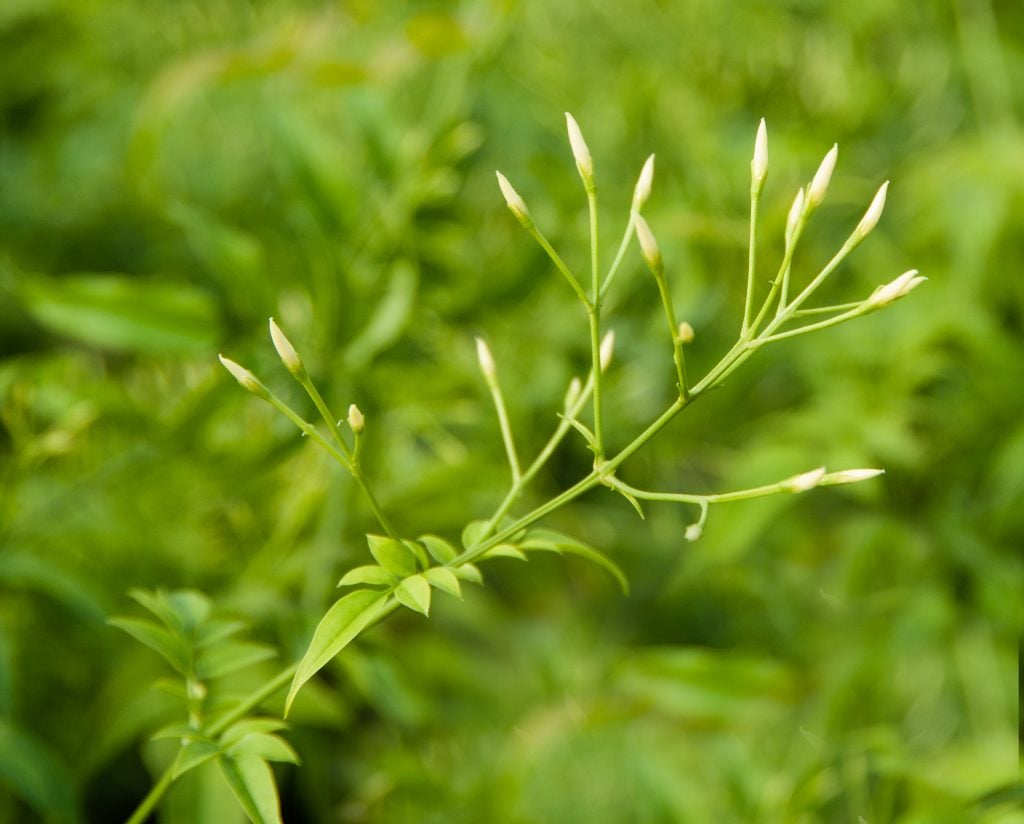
(171, 174)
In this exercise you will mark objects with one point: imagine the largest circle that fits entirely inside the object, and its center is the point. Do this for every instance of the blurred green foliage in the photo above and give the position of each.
(171, 174)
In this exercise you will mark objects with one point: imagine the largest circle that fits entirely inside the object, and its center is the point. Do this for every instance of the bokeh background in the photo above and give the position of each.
(171, 174)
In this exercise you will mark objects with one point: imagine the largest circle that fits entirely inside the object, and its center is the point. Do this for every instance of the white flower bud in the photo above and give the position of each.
(580, 152)
(874, 212)
(648, 245)
(896, 289)
(643, 184)
(516, 205)
(356, 421)
(685, 333)
(819, 184)
(244, 377)
(572, 394)
(759, 164)
(693, 532)
(804, 481)
(286, 351)
(850, 476)
(483, 354)
(607, 348)
(795, 211)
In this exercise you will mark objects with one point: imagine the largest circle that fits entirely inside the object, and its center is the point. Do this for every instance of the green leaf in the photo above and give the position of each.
(342, 623)
(505, 551)
(371, 575)
(156, 638)
(421, 556)
(414, 593)
(393, 555)
(122, 313)
(440, 550)
(468, 572)
(444, 579)
(237, 731)
(266, 746)
(156, 603)
(548, 540)
(252, 782)
(222, 659)
(472, 534)
(182, 610)
(176, 730)
(215, 631)
(194, 753)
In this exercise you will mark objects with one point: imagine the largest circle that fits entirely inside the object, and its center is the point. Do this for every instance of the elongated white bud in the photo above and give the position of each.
(896, 289)
(244, 377)
(648, 245)
(607, 348)
(289, 357)
(356, 421)
(643, 184)
(685, 333)
(795, 211)
(850, 476)
(572, 394)
(580, 152)
(819, 184)
(483, 354)
(759, 163)
(874, 212)
(804, 481)
(516, 205)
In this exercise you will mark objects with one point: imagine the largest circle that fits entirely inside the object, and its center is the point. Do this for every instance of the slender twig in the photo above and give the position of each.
(748, 304)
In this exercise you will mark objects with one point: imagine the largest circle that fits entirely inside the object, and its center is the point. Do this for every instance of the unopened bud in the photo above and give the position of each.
(643, 184)
(572, 394)
(896, 289)
(607, 347)
(795, 211)
(850, 476)
(580, 152)
(819, 185)
(759, 164)
(356, 421)
(286, 351)
(804, 481)
(648, 245)
(693, 532)
(516, 205)
(244, 377)
(685, 333)
(874, 212)
(483, 354)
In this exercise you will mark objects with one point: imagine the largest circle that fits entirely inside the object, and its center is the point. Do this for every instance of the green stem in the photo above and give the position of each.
(673, 330)
(559, 264)
(595, 374)
(506, 428)
(153, 797)
(748, 304)
(620, 254)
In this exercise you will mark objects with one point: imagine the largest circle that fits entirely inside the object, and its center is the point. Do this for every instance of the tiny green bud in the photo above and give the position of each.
(286, 351)
(685, 334)
(606, 349)
(483, 355)
(759, 163)
(850, 476)
(648, 245)
(572, 394)
(516, 205)
(804, 481)
(580, 152)
(896, 289)
(643, 184)
(819, 185)
(245, 377)
(356, 421)
(795, 211)
(874, 212)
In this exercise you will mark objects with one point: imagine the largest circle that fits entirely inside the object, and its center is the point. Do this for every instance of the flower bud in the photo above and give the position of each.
(795, 211)
(356, 421)
(850, 476)
(759, 164)
(874, 212)
(483, 355)
(685, 333)
(516, 205)
(580, 152)
(643, 184)
(245, 377)
(648, 245)
(819, 185)
(607, 347)
(896, 289)
(693, 532)
(804, 481)
(286, 351)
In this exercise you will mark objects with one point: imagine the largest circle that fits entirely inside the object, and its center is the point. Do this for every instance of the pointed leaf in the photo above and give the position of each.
(505, 551)
(342, 623)
(156, 603)
(230, 656)
(194, 753)
(216, 630)
(472, 534)
(414, 592)
(266, 746)
(440, 550)
(177, 730)
(156, 638)
(469, 572)
(393, 555)
(634, 502)
(371, 575)
(421, 556)
(240, 729)
(444, 579)
(252, 782)
(546, 539)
